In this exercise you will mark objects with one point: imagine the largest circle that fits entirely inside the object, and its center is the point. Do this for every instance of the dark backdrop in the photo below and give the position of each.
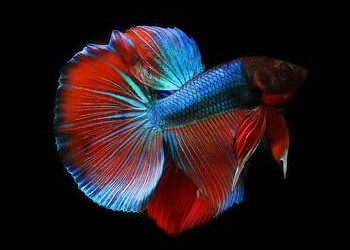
(274, 212)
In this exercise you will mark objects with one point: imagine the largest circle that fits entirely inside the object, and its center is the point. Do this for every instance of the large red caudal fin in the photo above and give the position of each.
(102, 128)
(176, 205)
(102, 131)
(204, 151)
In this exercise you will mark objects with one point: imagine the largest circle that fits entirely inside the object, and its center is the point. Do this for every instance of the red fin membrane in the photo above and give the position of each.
(102, 129)
(278, 135)
(176, 205)
(103, 133)
(248, 137)
(204, 151)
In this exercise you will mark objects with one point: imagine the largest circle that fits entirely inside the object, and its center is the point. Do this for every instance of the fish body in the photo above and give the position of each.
(141, 126)
(215, 91)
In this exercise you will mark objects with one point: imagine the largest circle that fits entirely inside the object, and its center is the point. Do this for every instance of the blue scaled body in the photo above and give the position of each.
(215, 91)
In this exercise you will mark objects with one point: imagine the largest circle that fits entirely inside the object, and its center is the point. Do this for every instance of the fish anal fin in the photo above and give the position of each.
(176, 205)
(203, 150)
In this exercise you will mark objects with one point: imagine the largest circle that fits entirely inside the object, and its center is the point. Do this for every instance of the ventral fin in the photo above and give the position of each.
(249, 134)
(278, 136)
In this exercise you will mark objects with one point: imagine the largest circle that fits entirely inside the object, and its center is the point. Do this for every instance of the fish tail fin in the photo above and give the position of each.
(103, 132)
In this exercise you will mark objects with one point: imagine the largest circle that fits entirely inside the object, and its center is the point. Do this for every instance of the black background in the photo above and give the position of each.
(274, 212)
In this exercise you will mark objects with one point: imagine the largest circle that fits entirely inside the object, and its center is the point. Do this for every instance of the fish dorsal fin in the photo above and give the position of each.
(163, 59)
(249, 134)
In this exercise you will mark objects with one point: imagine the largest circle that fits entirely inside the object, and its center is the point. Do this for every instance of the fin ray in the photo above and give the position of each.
(249, 134)
(204, 150)
(102, 130)
(175, 206)
(167, 57)
(277, 134)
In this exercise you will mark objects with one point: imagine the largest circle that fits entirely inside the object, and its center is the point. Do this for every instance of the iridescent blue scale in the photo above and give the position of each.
(218, 90)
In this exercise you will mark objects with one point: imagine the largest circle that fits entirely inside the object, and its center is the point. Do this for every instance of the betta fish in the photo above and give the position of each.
(142, 126)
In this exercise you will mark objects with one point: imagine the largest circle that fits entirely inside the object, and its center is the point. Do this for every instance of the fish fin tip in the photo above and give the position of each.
(277, 134)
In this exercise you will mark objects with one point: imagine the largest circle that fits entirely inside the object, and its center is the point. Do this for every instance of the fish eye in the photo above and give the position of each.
(284, 71)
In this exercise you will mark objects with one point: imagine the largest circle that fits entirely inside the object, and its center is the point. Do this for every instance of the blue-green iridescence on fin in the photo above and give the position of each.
(169, 58)
(103, 130)
(117, 103)
(236, 196)
(103, 133)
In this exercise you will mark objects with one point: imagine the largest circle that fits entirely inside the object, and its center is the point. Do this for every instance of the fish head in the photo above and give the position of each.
(277, 80)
